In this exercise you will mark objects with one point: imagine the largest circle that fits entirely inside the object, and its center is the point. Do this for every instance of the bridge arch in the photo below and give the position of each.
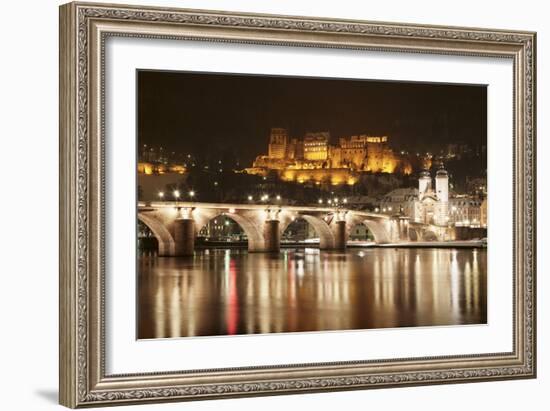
(322, 229)
(414, 235)
(167, 245)
(377, 227)
(253, 232)
(378, 230)
(429, 235)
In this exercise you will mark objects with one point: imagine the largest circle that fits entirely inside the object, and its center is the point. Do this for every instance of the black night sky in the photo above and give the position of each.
(199, 112)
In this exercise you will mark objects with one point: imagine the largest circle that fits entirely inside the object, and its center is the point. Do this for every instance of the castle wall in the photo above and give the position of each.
(320, 175)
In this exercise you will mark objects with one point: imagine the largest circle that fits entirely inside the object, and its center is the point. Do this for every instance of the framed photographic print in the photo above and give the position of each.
(260, 204)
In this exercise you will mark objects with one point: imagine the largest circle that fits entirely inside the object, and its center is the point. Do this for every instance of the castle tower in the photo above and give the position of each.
(424, 184)
(442, 192)
(278, 141)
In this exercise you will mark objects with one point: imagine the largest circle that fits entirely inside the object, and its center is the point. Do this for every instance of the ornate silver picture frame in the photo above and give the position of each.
(84, 29)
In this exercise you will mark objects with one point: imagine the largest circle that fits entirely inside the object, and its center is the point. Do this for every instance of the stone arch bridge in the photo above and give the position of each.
(176, 225)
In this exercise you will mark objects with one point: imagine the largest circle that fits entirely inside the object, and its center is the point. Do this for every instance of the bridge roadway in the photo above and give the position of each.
(176, 224)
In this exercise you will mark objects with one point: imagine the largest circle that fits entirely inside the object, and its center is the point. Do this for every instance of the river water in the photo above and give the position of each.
(231, 291)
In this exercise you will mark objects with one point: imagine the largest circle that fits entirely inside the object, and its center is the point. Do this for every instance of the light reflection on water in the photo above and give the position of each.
(226, 292)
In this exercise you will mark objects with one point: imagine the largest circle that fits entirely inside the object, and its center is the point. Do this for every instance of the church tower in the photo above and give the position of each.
(424, 184)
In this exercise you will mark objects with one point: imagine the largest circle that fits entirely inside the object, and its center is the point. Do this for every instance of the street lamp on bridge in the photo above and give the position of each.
(176, 194)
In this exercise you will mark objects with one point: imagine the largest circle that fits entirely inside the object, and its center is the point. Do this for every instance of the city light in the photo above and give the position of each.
(459, 208)
(232, 210)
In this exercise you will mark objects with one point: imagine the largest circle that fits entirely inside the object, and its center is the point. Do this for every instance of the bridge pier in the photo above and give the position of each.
(184, 237)
(340, 235)
(272, 236)
(403, 228)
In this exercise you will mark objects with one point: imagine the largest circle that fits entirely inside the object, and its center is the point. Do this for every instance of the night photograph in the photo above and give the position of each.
(272, 204)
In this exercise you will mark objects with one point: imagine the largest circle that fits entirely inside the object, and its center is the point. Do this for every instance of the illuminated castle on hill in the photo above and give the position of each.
(314, 159)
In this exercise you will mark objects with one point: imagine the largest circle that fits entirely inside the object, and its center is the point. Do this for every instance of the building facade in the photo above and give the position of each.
(403, 201)
(316, 146)
(483, 213)
(466, 211)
